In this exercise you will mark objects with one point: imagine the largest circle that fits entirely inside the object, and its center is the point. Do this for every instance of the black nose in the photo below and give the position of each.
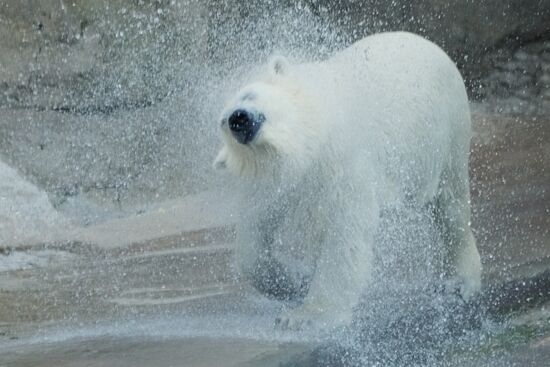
(244, 125)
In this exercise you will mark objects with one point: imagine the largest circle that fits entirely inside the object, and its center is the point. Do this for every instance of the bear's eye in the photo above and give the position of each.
(249, 97)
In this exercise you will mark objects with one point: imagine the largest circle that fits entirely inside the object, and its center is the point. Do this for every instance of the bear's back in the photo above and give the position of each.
(395, 99)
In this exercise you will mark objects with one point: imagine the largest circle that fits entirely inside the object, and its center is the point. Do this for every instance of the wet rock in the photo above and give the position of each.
(518, 81)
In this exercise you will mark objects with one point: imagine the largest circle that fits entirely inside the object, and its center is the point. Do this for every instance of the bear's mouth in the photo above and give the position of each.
(244, 125)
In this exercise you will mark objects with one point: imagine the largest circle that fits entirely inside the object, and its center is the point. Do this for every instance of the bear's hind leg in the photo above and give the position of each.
(462, 263)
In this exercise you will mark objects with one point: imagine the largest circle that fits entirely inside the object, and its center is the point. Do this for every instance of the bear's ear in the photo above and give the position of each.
(278, 65)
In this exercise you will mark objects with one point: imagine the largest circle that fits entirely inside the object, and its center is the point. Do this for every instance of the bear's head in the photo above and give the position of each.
(268, 126)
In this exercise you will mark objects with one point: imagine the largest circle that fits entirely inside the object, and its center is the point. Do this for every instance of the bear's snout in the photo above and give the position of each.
(244, 125)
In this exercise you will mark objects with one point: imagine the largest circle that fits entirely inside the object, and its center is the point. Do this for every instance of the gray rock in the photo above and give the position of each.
(96, 56)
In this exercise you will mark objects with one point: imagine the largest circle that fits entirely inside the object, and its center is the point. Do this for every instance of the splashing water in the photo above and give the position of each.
(117, 141)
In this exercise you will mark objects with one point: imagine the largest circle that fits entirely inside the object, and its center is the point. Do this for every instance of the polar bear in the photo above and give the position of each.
(321, 148)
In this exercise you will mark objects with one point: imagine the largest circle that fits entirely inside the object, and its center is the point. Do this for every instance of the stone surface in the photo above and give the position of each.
(168, 220)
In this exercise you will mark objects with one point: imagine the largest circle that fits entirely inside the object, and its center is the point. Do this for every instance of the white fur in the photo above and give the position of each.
(381, 123)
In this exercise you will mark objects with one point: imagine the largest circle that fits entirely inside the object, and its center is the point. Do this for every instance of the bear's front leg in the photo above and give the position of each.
(341, 273)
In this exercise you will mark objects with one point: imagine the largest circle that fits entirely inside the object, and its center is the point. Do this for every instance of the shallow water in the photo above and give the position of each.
(238, 340)
(167, 341)
(135, 351)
